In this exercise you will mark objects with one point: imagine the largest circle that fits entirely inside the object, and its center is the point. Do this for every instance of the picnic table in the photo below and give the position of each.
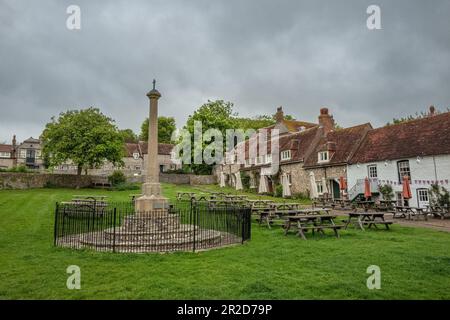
(342, 203)
(269, 215)
(89, 197)
(185, 195)
(367, 218)
(438, 211)
(385, 205)
(220, 204)
(409, 212)
(81, 204)
(366, 205)
(235, 197)
(318, 223)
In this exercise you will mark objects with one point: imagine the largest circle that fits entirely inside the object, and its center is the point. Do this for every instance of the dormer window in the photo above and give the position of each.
(286, 155)
(323, 156)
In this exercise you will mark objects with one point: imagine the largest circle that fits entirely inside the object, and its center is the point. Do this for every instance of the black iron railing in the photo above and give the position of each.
(117, 227)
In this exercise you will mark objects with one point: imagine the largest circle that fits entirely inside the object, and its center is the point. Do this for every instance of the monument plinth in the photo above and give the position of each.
(152, 202)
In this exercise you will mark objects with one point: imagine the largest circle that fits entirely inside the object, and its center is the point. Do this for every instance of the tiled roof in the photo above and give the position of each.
(420, 137)
(344, 142)
(295, 126)
(299, 143)
(142, 148)
(6, 148)
(32, 140)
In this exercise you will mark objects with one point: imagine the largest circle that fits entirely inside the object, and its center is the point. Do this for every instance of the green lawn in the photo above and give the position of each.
(414, 262)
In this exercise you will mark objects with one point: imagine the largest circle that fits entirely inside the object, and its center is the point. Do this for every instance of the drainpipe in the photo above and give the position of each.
(435, 169)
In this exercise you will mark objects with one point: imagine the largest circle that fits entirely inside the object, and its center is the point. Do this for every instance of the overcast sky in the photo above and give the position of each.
(258, 54)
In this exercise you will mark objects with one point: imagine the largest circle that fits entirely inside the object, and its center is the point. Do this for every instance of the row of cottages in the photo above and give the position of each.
(419, 149)
(321, 155)
(28, 154)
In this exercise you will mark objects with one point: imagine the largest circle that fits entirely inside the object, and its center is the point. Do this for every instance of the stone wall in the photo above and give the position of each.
(331, 175)
(10, 180)
(300, 182)
(191, 179)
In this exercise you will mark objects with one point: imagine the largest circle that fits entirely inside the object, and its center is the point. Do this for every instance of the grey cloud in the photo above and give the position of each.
(258, 54)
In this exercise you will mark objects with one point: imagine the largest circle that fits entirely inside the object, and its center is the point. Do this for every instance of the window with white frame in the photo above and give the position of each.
(5, 155)
(269, 158)
(319, 187)
(247, 162)
(23, 153)
(422, 195)
(323, 156)
(286, 155)
(403, 170)
(372, 171)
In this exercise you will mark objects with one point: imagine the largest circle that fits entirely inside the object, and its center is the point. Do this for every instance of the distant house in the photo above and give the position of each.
(29, 154)
(419, 149)
(6, 156)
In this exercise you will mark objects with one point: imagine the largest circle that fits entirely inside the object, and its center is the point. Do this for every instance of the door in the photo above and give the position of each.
(336, 189)
(422, 198)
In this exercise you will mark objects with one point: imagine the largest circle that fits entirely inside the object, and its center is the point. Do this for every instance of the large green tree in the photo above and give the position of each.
(166, 126)
(86, 137)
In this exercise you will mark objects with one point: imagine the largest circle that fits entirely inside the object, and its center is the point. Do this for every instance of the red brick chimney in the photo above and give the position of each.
(279, 116)
(326, 120)
(432, 111)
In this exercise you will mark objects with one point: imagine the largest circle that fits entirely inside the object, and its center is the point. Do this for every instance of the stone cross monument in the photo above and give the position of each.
(152, 202)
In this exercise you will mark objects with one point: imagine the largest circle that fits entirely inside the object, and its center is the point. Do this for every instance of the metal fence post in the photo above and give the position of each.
(114, 228)
(55, 229)
(194, 216)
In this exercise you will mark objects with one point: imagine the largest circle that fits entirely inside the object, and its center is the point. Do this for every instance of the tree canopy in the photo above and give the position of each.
(166, 126)
(86, 137)
(219, 115)
(128, 135)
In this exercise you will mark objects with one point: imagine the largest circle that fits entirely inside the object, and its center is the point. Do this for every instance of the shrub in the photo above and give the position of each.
(126, 186)
(439, 196)
(278, 191)
(117, 178)
(386, 191)
(245, 178)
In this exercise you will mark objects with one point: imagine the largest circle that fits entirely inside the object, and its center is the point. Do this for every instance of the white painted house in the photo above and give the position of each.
(419, 149)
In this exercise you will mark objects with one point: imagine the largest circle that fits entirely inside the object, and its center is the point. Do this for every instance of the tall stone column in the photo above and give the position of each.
(151, 200)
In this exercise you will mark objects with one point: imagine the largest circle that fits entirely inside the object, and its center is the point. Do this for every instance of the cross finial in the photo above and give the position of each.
(154, 84)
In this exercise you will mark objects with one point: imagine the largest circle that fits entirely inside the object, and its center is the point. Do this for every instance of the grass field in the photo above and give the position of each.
(414, 262)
